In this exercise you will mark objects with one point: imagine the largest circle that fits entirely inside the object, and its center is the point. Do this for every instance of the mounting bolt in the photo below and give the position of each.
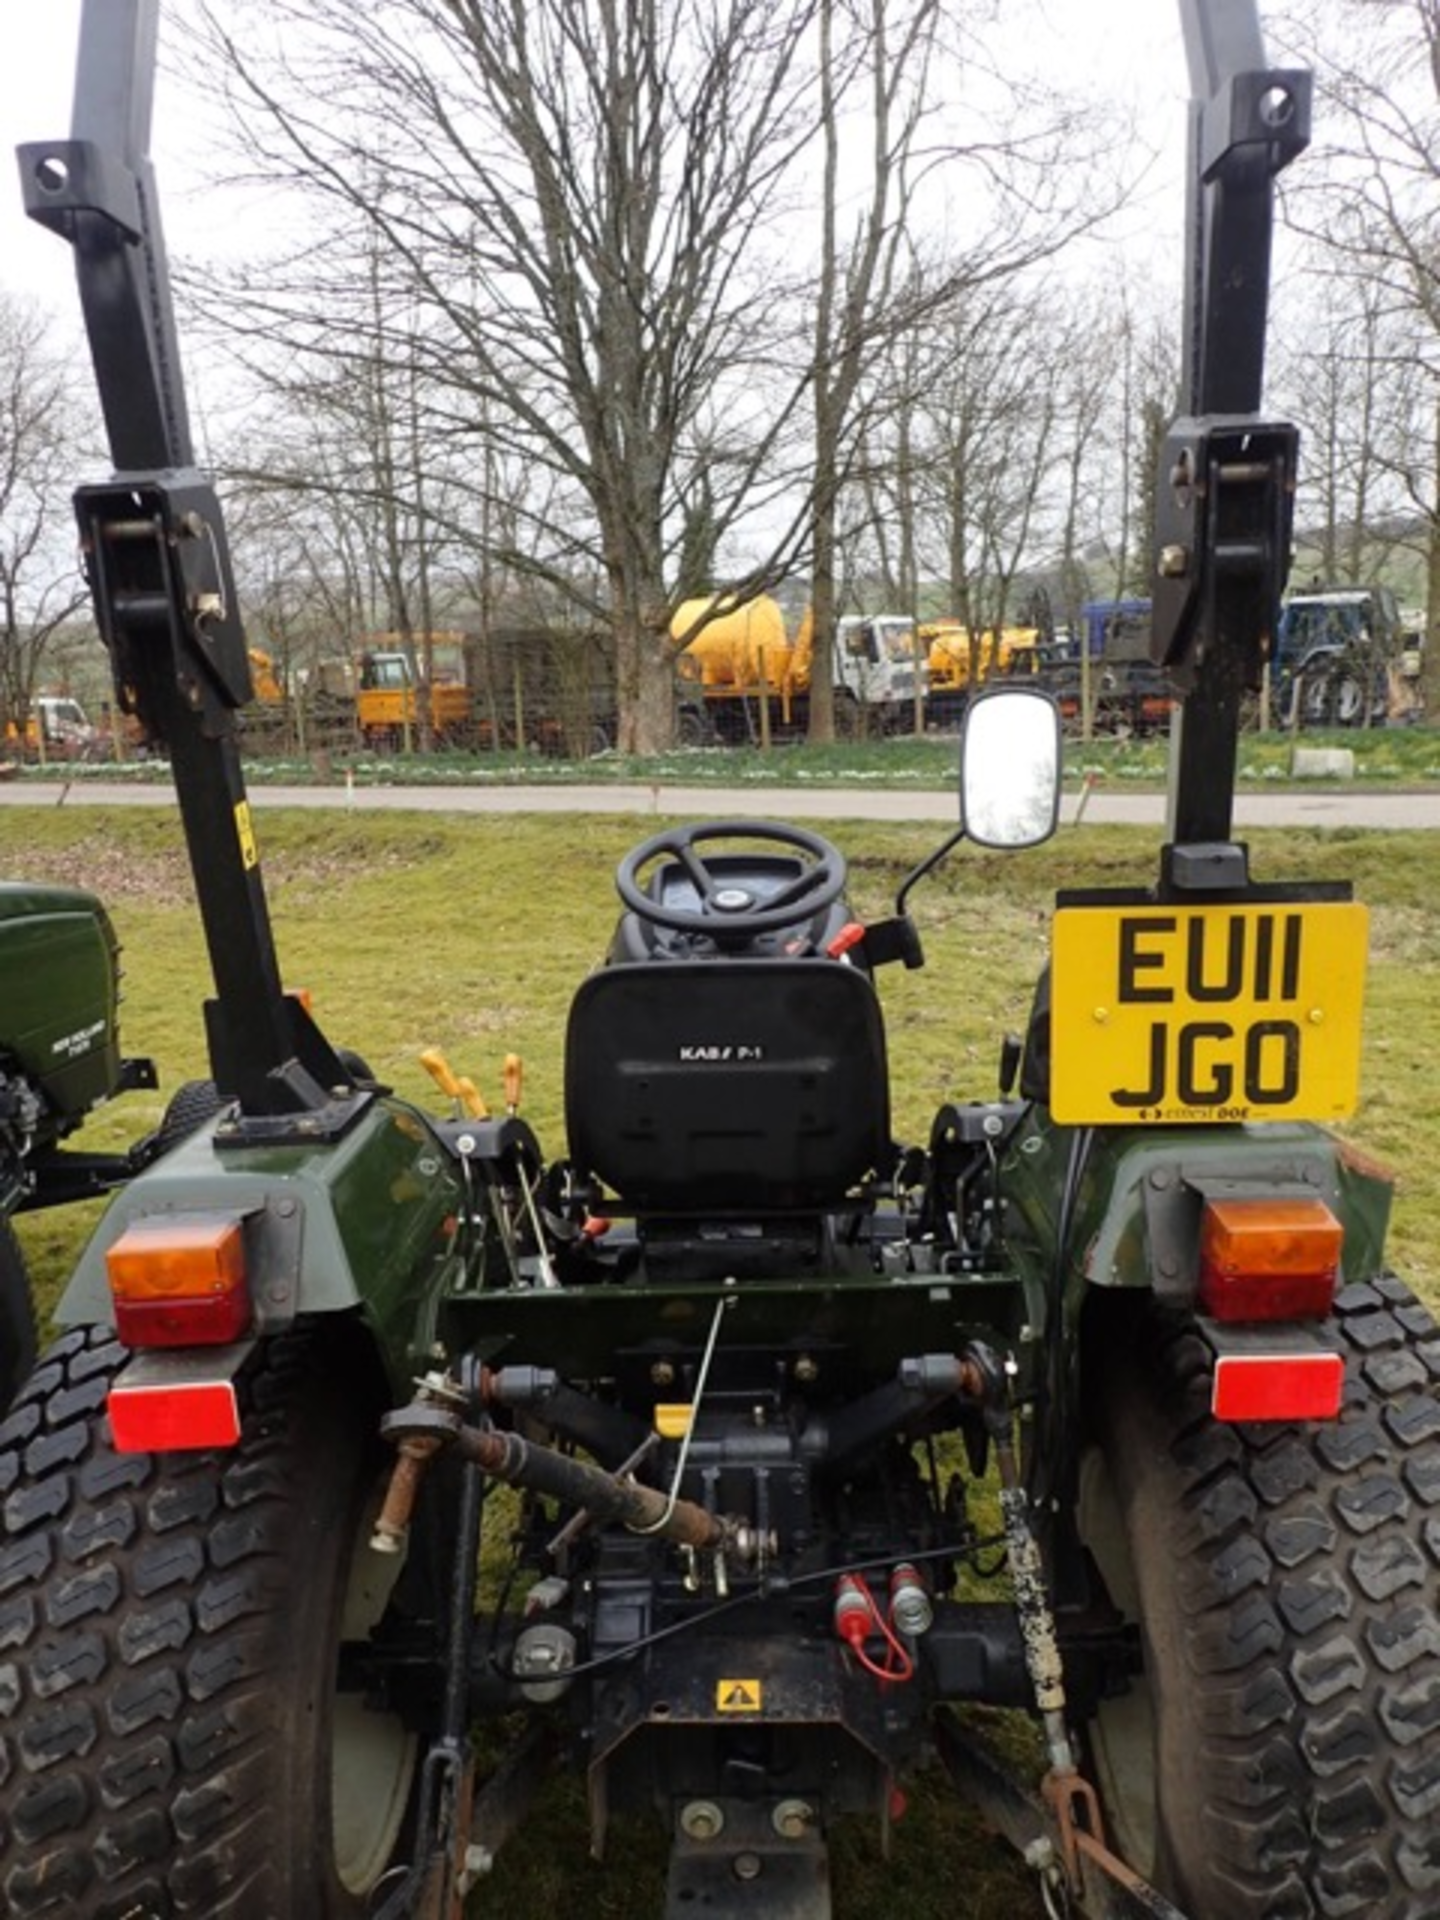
(746, 1866)
(1173, 563)
(702, 1820)
(792, 1819)
(662, 1374)
(806, 1370)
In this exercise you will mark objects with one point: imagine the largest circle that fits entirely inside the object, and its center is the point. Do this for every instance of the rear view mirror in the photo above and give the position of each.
(1010, 768)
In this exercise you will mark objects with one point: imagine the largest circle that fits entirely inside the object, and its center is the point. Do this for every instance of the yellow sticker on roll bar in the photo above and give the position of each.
(245, 834)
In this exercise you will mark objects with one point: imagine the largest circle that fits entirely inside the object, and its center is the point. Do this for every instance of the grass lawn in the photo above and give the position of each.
(471, 934)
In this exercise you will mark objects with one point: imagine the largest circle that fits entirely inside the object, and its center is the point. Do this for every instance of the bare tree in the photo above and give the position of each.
(1151, 346)
(986, 423)
(1344, 376)
(856, 274)
(593, 214)
(1041, 183)
(40, 583)
(1372, 211)
(1086, 366)
(573, 200)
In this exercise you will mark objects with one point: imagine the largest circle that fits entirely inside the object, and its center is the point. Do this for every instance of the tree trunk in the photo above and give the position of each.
(822, 624)
(1430, 653)
(644, 668)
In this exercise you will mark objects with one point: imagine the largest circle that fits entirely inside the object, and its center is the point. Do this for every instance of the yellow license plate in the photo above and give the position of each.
(1210, 1013)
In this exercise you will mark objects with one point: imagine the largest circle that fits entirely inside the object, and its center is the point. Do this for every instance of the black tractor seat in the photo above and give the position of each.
(744, 1086)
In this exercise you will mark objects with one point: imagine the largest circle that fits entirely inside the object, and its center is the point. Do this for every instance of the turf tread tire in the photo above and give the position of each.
(17, 1316)
(193, 1104)
(162, 1618)
(1289, 1579)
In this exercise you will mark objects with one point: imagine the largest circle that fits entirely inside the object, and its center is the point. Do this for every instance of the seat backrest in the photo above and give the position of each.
(745, 1086)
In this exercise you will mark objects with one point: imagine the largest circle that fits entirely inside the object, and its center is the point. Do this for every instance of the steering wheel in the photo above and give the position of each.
(727, 906)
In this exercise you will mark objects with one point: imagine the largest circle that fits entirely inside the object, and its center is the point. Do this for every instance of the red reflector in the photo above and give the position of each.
(1282, 1386)
(166, 1419)
(1269, 1259)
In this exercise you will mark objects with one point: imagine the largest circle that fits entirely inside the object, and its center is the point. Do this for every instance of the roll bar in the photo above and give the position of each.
(158, 562)
(1226, 483)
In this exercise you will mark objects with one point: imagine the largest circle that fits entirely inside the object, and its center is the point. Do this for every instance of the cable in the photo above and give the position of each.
(658, 1526)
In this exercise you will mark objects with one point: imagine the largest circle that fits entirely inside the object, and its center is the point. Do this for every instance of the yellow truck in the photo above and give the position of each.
(960, 661)
(749, 677)
(386, 713)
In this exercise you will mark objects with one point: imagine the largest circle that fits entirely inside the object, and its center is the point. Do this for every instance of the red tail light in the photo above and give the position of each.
(1269, 1258)
(178, 1280)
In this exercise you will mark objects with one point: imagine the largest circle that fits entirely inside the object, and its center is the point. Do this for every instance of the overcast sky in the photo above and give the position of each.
(1130, 47)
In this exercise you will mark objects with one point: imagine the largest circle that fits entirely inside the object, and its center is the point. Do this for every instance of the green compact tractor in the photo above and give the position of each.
(734, 1455)
(59, 1058)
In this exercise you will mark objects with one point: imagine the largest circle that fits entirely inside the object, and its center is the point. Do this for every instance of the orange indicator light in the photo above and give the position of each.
(179, 1280)
(1269, 1258)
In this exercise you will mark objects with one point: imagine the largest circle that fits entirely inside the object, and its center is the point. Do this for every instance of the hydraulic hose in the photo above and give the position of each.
(510, 1457)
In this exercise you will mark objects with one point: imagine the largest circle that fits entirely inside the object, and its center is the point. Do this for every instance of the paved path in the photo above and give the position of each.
(1295, 807)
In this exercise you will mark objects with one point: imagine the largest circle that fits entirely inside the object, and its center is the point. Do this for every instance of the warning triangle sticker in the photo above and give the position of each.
(738, 1696)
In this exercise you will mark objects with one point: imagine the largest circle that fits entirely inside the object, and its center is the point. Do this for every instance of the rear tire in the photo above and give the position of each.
(171, 1626)
(1280, 1756)
(17, 1317)
(692, 729)
(193, 1103)
(1347, 700)
(1312, 700)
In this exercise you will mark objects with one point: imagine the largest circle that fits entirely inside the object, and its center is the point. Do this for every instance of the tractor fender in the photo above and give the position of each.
(1138, 1219)
(329, 1226)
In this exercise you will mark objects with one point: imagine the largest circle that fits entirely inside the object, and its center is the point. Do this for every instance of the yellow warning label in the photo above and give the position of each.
(245, 833)
(738, 1696)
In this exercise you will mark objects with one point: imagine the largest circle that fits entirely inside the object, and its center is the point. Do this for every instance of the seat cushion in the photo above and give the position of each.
(739, 1086)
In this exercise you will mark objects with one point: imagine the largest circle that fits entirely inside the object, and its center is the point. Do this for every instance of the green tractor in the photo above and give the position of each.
(60, 1058)
(1099, 1403)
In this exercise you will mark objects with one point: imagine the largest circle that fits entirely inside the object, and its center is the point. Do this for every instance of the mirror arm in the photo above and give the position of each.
(930, 861)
